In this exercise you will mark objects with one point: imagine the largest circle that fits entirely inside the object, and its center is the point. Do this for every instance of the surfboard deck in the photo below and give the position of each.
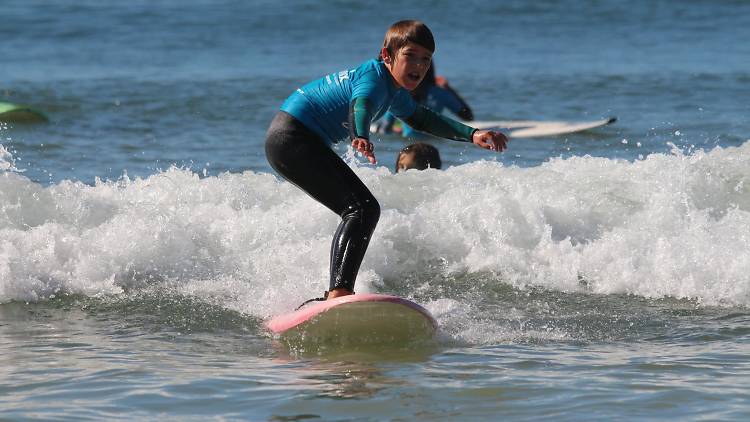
(533, 129)
(356, 319)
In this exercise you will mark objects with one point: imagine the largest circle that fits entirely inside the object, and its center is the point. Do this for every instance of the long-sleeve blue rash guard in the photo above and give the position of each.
(340, 106)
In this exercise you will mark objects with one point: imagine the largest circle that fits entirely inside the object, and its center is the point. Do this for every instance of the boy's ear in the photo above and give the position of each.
(386, 56)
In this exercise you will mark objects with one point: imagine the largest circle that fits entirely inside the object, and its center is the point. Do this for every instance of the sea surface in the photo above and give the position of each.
(595, 276)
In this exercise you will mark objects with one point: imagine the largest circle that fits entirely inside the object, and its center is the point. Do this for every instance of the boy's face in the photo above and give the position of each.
(409, 65)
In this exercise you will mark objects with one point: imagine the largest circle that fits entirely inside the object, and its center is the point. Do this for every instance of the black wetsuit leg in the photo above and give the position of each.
(302, 158)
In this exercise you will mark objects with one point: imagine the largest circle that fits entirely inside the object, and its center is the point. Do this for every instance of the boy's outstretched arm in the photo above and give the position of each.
(428, 121)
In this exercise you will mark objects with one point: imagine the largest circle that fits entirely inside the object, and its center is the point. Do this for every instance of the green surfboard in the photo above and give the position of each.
(19, 113)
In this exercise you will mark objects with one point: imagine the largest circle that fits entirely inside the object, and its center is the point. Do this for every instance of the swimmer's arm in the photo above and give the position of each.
(461, 109)
(428, 121)
(360, 115)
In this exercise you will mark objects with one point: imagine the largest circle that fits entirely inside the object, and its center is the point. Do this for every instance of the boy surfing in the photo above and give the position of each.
(340, 107)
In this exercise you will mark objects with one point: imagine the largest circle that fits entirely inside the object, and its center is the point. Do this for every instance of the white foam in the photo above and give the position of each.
(669, 225)
(7, 162)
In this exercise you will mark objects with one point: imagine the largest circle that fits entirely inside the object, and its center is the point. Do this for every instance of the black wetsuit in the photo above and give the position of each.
(301, 157)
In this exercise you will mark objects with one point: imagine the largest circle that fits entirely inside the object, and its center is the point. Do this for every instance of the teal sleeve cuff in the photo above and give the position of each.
(360, 115)
(428, 121)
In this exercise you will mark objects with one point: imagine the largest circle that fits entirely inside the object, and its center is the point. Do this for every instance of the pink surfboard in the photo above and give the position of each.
(363, 318)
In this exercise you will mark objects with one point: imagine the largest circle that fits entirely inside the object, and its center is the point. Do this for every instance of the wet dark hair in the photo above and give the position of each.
(408, 31)
(425, 156)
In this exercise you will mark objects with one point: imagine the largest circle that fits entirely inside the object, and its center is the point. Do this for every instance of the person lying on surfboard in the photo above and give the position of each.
(437, 95)
(340, 106)
(420, 156)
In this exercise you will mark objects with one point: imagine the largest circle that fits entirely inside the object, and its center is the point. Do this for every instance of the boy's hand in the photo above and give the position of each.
(365, 148)
(489, 139)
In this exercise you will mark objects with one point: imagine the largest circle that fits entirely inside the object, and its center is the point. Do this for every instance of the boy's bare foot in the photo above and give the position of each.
(338, 292)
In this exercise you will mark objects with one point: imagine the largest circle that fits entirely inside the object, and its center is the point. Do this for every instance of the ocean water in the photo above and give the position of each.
(144, 239)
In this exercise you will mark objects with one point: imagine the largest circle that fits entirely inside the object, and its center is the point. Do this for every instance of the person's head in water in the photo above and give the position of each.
(418, 156)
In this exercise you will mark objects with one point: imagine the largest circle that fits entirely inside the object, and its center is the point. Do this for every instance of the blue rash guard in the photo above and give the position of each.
(323, 105)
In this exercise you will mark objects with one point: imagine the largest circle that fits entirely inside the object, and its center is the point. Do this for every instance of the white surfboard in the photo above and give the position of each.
(356, 319)
(533, 129)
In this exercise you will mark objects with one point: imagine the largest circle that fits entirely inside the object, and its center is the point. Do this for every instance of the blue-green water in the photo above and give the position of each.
(144, 239)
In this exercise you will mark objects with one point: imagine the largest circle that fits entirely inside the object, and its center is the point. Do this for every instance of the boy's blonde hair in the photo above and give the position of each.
(406, 31)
